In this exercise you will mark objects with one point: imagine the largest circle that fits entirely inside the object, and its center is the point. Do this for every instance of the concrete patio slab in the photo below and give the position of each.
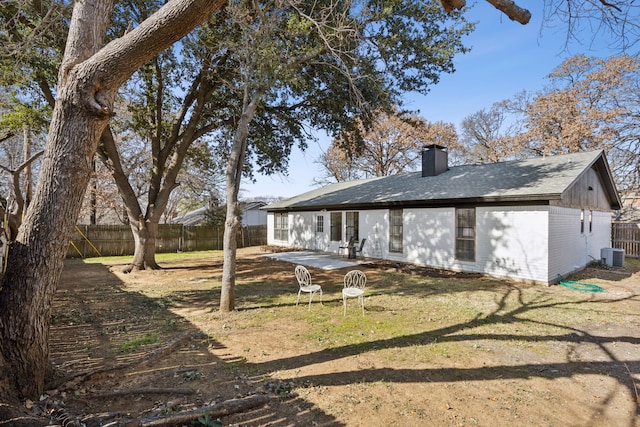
(322, 260)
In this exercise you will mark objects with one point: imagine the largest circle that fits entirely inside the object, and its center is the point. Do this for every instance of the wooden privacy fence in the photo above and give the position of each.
(114, 240)
(626, 235)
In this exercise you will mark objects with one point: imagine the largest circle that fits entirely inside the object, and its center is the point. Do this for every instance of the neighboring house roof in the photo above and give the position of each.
(194, 217)
(531, 180)
(247, 206)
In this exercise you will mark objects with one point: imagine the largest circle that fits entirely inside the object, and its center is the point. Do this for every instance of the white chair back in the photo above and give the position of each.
(355, 279)
(303, 276)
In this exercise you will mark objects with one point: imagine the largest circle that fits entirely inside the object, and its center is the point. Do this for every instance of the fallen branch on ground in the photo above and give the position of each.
(227, 407)
(150, 390)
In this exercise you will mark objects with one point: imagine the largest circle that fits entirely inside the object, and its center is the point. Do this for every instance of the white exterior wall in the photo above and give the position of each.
(428, 237)
(270, 240)
(569, 248)
(510, 241)
(533, 243)
(601, 235)
(513, 242)
(302, 230)
(374, 226)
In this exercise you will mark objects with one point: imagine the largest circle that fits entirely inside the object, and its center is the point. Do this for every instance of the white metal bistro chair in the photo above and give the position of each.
(354, 283)
(304, 280)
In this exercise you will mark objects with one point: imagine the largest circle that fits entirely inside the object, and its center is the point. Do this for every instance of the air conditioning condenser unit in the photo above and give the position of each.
(613, 257)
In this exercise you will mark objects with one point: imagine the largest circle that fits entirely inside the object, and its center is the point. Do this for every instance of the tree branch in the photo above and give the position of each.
(450, 5)
(29, 161)
(218, 410)
(122, 57)
(508, 7)
(610, 5)
(512, 10)
(6, 135)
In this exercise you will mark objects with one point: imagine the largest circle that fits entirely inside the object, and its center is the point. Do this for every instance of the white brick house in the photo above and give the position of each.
(527, 220)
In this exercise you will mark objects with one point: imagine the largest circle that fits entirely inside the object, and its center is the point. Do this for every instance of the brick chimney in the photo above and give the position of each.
(434, 160)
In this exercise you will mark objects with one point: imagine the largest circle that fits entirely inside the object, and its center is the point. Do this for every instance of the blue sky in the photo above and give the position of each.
(506, 58)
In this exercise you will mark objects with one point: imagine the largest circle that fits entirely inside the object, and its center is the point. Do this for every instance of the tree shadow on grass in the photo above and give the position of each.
(262, 285)
(122, 356)
(100, 317)
(610, 363)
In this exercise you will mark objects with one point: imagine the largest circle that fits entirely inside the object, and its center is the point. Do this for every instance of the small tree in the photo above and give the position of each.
(332, 62)
(23, 134)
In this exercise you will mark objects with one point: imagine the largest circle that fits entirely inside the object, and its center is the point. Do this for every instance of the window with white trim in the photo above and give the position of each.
(281, 226)
(466, 234)
(336, 226)
(352, 229)
(395, 230)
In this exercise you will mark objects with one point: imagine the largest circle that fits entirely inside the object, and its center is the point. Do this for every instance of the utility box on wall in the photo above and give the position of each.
(613, 257)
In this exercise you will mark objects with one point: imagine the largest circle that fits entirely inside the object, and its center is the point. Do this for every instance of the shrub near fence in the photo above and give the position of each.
(116, 240)
(626, 235)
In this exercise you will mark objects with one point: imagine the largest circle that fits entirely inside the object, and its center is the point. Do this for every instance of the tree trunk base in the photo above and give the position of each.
(132, 267)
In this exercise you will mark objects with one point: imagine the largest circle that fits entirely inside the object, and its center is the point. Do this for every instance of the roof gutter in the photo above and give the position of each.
(531, 200)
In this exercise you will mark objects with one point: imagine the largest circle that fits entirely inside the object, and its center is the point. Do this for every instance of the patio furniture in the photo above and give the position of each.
(359, 250)
(354, 283)
(348, 246)
(304, 280)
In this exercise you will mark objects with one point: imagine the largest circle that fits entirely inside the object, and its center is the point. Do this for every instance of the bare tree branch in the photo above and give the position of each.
(512, 10)
(6, 135)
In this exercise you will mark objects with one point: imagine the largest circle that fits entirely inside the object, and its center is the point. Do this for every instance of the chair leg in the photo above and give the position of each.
(344, 305)
(298, 297)
(362, 302)
(310, 297)
(321, 297)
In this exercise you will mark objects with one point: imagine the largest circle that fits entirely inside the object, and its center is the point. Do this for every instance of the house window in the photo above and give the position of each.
(336, 226)
(466, 234)
(320, 224)
(590, 221)
(281, 226)
(352, 225)
(395, 230)
(582, 221)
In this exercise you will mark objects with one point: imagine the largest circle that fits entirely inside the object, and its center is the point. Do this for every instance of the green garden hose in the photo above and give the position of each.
(579, 286)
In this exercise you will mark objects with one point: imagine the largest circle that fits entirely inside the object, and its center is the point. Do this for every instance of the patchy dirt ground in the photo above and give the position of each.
(141, 348)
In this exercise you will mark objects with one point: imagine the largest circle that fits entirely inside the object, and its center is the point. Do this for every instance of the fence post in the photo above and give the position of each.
(84, 242)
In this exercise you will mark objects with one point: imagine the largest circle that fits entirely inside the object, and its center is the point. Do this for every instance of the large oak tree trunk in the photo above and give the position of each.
(36, 256)
(145, 234)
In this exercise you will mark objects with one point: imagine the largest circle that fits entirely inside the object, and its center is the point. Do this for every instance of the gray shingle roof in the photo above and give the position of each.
(540, 178)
